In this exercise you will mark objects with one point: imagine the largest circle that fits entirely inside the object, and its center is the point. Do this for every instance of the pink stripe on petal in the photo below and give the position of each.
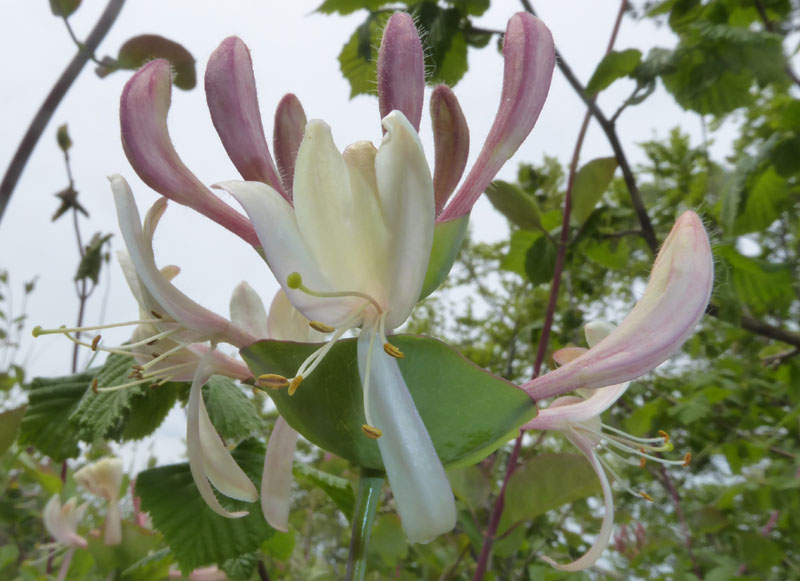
(401, 70)
(450, 143)
(143, 112)
(674, 301)
(233, 103)
(529, 60)
(290, 124)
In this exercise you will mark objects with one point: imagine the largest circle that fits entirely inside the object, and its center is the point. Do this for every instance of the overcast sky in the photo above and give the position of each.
(293, 50)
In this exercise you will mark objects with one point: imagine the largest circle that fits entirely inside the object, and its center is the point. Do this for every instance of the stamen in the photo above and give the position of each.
(295, 281)
(37, 330)
(664, 435)
(157, 315)
(642, 462)
(687, 458)
(393, 351)
(272, 381)
(94, 385)
(646, 496)
(371, 431)
(294, 384)
(321, 327)
(95, 342)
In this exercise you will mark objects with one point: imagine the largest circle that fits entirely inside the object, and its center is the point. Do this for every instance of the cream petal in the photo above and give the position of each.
(419, 484)
(596, 331)
(276, 481)
(286, 323)
(286, 251)
(248, 312)
(112, 534)
(406, 192)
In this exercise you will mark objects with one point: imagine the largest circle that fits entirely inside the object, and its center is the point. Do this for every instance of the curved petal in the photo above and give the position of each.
(406, 191)
(401, 69)
(286, 323)
(567, 354)
(450, 143)
(603, 537)
(674, 301)
(233, 103)
(248, 312)
(113, 529)
(596, 331)
(287, 135)
(176, 304)
(559, 417)
(276, 481)
(286, 251)
(143, 116)
(196, 447)
(419, 484)
(529, 60)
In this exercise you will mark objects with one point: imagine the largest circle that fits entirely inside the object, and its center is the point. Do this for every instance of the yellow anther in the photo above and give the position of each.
(294, 384)
(371, 431)
(294, 280)
(95, 342)
(153, 342)
(647, 497)
(393, 351)
(37, 330)
(687, 458)
(642, 462)
(664, 435)
(272, 381)
(321, 327)
(156, 314)
(94, 385)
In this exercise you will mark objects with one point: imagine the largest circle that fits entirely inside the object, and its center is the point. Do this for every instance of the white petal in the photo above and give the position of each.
(113, 530)
(419, 484)
(276, 481)
(559, 417)
(596, 331)
(406, 190)
(286, 251)
(286, 323)
(247, 311)
(195, 447)
(601, 542)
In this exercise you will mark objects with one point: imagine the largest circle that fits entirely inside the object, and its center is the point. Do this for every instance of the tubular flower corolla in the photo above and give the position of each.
(103, 478)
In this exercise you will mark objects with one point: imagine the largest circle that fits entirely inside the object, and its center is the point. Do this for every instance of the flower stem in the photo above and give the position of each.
(369, 490)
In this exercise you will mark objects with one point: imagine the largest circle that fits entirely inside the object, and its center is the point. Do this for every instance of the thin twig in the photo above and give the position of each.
(51, 102)
(669, 486)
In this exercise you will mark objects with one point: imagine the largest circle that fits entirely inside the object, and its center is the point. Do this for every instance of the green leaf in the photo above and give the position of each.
(515, 204)
(764, 203)
(615, 65)
(8, 555)
(759, 552)
(339, 490)
(540, 261)
(64, 7)
(349, 6)
(149, 408)
(447, 239)
(758, 283)
(545, 482)
(51, 402)
(92, 259)
(280, 545)
(153, 566)
(468, 412)
(230, 410)
(358, 61)
(521, 241)
(591, 181)
(445, 44)
(137, 542)
(196, 534)
(10, 421)
(471, 7)
(388, 541)
(146, 47)
(612, 253)
(470, 485)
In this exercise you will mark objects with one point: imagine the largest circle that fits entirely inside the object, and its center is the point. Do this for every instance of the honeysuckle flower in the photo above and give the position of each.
(61, 521)
(674, 300)
(103, 478)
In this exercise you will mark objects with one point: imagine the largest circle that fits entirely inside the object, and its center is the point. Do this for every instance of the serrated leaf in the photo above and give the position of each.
(146, 47)
(10, 422)
(196, 534)
(230, 410)
(149, 408)
(517, 206)
(591, 182)
(546, 482)
(762, 285)
(51, 402)
(446, 54)
(64, 7)
(447, 240)
(615, 65)
(540, 261)
(764, 203)
(357, 60)
(339, 490)
(280, 546)
(349, 6)
(468, 412)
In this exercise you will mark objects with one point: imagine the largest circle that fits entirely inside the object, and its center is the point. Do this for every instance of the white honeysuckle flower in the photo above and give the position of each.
(103, 478)
(61, 521)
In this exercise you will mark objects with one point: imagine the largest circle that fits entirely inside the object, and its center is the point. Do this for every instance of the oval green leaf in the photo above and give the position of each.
(447, 239)
(469, 412)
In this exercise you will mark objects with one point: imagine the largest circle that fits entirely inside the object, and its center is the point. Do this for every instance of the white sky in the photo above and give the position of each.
(293, 50)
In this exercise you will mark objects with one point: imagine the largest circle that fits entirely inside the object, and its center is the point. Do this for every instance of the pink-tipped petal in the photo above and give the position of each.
(569, 410)
(604, 536)
(450, 143)
(567, 354)
(290, 124)
(529, 60)
(233, 103)
(276, 481)
(143, 112)
(401, 70)
(674, 301)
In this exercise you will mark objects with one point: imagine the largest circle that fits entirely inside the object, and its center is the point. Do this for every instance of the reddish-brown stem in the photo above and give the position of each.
(497, 510)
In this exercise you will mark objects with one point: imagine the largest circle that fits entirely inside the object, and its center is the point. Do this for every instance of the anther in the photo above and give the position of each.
(642, 462)
(664, 435)
(687, 458)
(393, 351)
(156, 314)
(155, 355)
(294, 384)
(272, 381)
(646, 496)
(371, 431)
(153, 342)
(95, 342)
(321, 327)
(94, 385)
